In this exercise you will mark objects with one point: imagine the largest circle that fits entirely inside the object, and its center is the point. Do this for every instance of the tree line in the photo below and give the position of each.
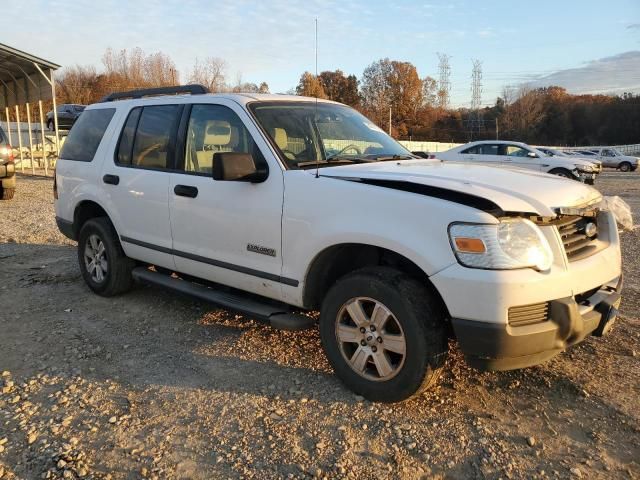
(392, 94)
(132, 69)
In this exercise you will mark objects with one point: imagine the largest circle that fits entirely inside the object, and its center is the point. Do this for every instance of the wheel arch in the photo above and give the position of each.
(86, 210)
(338, 260)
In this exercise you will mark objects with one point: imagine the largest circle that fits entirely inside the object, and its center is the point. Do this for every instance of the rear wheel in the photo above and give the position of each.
(625, 167)
(104, 266)
(383, 333)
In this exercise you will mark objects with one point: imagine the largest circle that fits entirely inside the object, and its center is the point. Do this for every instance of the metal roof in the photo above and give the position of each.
(20, 79)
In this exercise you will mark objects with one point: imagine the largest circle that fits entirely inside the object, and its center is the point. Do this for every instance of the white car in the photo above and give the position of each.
(500, 153)
(610, 157)
(300, 204)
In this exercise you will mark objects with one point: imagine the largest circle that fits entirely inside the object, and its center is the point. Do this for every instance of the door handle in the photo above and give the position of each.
(185, 191)
(111, 179)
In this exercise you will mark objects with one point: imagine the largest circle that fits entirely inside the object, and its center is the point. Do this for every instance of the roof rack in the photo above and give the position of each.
(193, 89)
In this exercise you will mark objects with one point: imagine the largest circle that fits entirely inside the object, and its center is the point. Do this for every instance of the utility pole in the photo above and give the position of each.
(497, 136)
(444, 84)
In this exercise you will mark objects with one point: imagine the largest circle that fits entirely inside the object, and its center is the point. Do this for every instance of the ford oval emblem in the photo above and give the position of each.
(590, 229)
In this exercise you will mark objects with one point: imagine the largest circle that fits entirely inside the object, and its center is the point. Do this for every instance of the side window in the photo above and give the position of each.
(146, 137)
(211, 129)
(607, 153)
(85, 136)
(514, 151)
(471, 150)
(126, 138)
(488, 149)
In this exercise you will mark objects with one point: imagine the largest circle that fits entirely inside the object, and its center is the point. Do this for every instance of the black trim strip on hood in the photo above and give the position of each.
(462, 198)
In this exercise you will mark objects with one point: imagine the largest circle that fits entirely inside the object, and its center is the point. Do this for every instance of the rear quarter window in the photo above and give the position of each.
(85, 136)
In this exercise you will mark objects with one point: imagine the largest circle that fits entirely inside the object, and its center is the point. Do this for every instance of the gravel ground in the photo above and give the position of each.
(154, 385)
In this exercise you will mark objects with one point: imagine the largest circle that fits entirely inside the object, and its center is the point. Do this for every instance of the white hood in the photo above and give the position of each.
(513, 190)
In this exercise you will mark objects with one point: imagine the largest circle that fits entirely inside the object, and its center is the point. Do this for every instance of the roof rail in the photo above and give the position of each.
(193, 89)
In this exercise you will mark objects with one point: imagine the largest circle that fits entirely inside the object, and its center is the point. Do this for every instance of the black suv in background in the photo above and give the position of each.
(7, 168)
(67, 116)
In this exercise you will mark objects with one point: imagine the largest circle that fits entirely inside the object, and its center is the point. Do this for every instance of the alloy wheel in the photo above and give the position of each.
(95, 258)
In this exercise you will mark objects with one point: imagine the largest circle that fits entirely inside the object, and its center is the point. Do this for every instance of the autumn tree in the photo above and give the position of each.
(310, 86)
(78, 84)
(394, 85)
(340, 88)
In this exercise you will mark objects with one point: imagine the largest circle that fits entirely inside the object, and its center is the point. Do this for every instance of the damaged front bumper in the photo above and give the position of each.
(490, 346)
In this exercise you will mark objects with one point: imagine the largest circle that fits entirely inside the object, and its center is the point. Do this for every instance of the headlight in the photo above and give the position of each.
(584, 168)
(513, 243)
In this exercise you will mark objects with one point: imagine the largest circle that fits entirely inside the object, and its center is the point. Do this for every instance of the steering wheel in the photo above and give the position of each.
(348, 147)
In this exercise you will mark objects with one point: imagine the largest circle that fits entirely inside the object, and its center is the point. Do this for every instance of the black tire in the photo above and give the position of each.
(50, 125)
(590, 181)
(7, 193)
(413, 307)
(117, 278)
(624, 167)
(563, 172)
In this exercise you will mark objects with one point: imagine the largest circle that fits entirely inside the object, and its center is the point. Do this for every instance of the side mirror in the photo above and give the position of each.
(238, 167)
(532, 155)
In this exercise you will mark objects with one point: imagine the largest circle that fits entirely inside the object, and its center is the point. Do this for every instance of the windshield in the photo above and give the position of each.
(307, 134)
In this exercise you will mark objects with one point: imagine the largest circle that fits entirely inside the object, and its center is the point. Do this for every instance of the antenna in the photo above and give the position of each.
(316, 95)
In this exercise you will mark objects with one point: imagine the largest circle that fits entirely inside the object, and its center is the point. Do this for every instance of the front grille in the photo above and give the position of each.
(528, 314)
(572, 229)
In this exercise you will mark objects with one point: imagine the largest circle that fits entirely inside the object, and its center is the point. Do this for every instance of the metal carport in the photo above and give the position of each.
(26, 79)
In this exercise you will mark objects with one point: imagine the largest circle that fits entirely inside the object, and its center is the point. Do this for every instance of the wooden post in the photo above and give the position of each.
(33, 168)
(45, 159)
(20, 139)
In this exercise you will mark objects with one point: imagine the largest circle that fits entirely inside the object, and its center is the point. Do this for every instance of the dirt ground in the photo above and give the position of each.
(155, 385)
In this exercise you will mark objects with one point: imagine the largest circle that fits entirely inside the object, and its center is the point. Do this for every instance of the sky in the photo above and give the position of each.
(588, 46)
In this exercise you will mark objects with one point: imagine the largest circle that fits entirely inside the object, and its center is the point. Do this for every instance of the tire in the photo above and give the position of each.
(7, 193)
(414, 316)
(50, 125)
(113, 263)
(624, 167)
(590, 181)
(563, 172)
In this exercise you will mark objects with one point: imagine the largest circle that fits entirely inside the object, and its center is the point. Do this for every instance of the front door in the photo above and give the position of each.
(516, 156)
(225, 231)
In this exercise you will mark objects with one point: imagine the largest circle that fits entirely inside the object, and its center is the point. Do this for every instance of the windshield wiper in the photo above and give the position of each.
(387, 158)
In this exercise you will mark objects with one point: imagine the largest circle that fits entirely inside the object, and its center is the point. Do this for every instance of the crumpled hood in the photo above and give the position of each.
(511, 189)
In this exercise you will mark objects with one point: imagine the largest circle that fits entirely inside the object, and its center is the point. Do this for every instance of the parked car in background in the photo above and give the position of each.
(553, 152)
(396, 252)
(501, 153)
(7, 168)
(67, 116)
(423, 154)
(610, 157)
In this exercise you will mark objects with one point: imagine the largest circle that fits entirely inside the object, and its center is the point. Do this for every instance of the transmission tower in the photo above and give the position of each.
(475, 117)
(444, 84)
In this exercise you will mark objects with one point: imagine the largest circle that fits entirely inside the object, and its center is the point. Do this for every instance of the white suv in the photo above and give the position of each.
(501, 153)
(300, 204)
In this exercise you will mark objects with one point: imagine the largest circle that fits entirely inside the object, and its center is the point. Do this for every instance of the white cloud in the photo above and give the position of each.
(615, 74)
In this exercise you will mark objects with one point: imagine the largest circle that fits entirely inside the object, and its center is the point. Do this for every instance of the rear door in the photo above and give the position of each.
(137, 182)
(225, 231)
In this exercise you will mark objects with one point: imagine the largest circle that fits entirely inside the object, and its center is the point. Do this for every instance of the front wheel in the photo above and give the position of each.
(625, 167)
(562, 172)
(383, 333)
(104, 266)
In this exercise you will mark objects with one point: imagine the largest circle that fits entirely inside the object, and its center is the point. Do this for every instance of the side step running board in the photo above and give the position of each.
(278, 316)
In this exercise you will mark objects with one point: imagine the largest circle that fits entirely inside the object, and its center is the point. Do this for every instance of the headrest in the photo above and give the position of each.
(218, 132)
(280, 137)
